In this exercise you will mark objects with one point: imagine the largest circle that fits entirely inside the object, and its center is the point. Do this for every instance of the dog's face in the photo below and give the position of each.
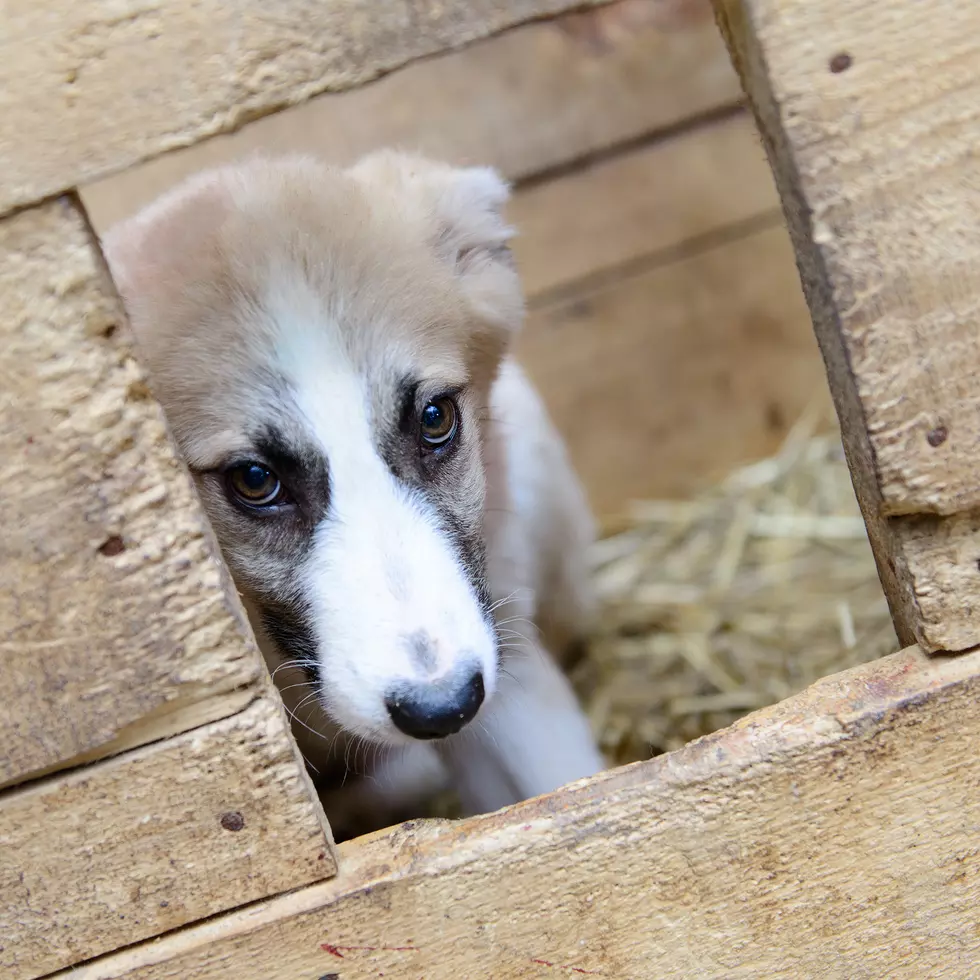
(324, 342)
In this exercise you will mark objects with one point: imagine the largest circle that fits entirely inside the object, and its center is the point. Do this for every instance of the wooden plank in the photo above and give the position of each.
(680, 372)
(940, 558)
(95, 87)
(594, 225)
(154, 839)
(117, 625)
(871, 116)
(832, 836)
(525, 101)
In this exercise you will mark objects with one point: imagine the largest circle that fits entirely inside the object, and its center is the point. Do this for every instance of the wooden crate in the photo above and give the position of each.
(155, 818)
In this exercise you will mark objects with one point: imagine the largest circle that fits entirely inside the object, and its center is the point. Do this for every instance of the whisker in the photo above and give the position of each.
(505, 634)
(309, 699)
(347, 749)
(333, 742)
(292, 687)
(514, 678)
(518, 619)
(508, 598)
(489, 735)
(299, 721)
(298, 664)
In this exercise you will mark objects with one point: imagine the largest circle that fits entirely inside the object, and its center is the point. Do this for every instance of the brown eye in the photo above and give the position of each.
(439, 423)
(254, 484)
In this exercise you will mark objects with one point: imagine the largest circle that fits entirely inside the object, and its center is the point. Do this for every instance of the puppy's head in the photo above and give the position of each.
(323, 342)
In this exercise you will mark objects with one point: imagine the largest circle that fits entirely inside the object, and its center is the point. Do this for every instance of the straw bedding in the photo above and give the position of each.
(718, 605)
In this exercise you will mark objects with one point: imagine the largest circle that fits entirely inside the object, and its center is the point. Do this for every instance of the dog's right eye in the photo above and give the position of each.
(255, 485)
(439, 423)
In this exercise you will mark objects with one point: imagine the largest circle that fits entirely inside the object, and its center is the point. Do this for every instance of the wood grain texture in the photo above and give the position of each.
(831, 836)
(117, 624)
(942, 559)
(678, 373)
(871, 115)
(154, 839)
(95, 87)
(591, 226)
(525, 101)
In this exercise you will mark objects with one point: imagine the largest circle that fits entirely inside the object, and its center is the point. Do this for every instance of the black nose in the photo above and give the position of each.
(435, 710)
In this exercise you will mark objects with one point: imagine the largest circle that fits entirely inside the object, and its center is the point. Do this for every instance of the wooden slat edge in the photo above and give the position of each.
(155, 839)
(527, 100)
(93, 92)
(879, 113)
(831, 835)
(908, 435)
(118, 621)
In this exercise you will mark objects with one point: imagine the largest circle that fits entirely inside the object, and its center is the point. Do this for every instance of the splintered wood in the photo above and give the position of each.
(871, 116)
(731, 601)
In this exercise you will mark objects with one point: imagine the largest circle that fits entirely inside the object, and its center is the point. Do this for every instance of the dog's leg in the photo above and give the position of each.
(531, 738)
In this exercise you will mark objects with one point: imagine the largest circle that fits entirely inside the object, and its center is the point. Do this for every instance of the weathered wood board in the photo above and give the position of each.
(117, 624)
(528, 100)
(833, 835)
(691, 367)
(154, 839)
(95, 87)
(616, 218)
(871, 116)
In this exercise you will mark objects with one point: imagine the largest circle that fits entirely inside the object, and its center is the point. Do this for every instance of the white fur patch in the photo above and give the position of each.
(380, 571)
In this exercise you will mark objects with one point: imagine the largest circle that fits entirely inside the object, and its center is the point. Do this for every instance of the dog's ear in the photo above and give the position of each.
(158, 255)
(460, 213)
(470, 227)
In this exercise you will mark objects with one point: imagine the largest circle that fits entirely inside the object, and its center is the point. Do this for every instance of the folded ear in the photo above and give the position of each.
(469, 217)
(154, 255)
(459, 211)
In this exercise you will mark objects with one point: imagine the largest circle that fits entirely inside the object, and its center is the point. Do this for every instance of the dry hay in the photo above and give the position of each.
(736, 599)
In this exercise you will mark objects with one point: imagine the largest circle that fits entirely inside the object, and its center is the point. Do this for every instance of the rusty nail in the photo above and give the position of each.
(232, 821)
(112, 546)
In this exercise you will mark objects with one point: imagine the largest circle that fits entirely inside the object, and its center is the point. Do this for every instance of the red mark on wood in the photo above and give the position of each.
(571, 969)
(339, 951)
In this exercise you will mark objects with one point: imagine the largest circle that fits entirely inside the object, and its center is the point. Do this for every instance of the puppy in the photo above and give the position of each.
(332, 350)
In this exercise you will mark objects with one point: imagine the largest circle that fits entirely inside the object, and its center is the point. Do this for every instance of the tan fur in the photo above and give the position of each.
(409, 257)
(192, 267)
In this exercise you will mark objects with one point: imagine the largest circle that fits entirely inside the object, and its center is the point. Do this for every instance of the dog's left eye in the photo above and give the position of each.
(255, 485)
(440, 422)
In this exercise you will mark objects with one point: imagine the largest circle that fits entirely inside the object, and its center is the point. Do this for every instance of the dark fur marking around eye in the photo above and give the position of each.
(302, 468)
(470, 547)
(267, 553)
(289, 624)
(406, 397)
(406, 436)
(435, 477)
